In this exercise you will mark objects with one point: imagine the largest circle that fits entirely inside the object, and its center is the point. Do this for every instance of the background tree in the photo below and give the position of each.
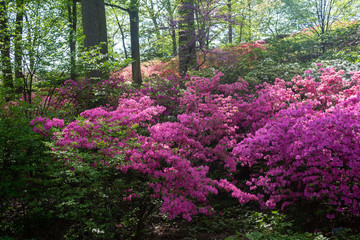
(230, 27)
(72, 18)
(94, 27)
(187, 37)
(275, 21)
(171, 9)
(318, 15)
(5, 46)
(133, 11)
(18, 55)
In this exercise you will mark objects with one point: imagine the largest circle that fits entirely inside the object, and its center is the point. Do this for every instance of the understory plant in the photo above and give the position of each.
(298, 141)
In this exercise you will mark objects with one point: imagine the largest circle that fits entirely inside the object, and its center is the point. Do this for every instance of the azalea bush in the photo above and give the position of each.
(298, 141)
(237, 61)
(308, 149)
(177, 160)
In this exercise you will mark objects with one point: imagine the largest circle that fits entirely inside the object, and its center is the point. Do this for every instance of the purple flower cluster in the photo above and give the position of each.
(43, 125)
(310, 149)
(304, 135)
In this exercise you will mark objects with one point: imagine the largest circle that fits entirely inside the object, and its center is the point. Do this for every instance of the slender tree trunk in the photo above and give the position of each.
(133, 11)
(201, 26)
(7, 79)
(18, 54)
(250, 22)
(122, 36)
(72, 12)
(174, 42)
(172, 24)
(241, 30)
(94, 26)
(135, 46)
(187, 37)
(123, 41)
(230, 27)
(31, 38)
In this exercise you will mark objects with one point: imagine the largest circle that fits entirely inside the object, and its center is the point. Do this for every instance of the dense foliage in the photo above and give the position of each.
(299, 140)
(253, 141)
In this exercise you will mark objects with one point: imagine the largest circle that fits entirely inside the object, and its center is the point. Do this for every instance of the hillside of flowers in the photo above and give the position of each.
(229, 150)
(300, 140)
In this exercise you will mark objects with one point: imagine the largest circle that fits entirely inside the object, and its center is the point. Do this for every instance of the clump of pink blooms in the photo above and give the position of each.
(310, 147)
(303, 134)
(43, 125)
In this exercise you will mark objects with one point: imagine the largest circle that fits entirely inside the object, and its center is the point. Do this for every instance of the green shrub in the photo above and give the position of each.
(24, 176)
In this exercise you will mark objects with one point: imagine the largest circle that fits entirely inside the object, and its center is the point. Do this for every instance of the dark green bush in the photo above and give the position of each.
(23, 161)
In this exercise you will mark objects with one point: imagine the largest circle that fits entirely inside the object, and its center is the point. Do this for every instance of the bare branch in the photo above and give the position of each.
(117, 6)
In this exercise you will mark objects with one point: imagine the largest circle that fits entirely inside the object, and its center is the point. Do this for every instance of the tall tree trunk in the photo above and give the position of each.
(250, 21)
(172, 24)
(5, 47)
(94, 26)
(243, 19)
(72, 12)
(201, 28)
(135, 46)
(133, 11)
(174, 42)
(187, 37)
(18, 54)
(31, 38)
(230, 27)
(123, 41)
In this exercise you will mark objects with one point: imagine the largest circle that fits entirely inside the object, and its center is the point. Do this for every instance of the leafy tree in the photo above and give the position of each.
(318, 15)
(275, 20)
(5, 45)
(72, 17)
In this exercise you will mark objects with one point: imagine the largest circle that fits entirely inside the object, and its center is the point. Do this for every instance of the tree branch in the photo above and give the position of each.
(116, 6)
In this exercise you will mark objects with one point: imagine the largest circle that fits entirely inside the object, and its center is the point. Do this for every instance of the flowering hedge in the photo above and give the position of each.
(303, 135)
(308, 149)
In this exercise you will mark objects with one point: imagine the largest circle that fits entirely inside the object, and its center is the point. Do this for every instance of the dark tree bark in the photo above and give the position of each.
(172, 23)
(133, 11)
(135, 46)
(230, 27)
(18, 54)
(242, 24)
(187, 37)
(72, 14)
(250, 22)
(174, 42)
(7, 79)
(94, 26)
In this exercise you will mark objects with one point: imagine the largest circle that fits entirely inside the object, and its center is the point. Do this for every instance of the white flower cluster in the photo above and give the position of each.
(98, 231)
(338, 64)
(269, 69)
